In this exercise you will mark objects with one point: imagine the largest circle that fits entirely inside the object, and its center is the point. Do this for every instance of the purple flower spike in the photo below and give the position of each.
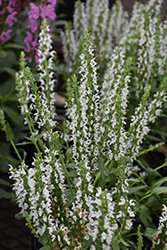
(46, 9)
(34, 12)
(11, 18)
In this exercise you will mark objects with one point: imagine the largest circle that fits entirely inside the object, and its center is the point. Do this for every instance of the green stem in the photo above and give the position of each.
(32, 135)
(156, 169)
(68, 181)
(140, 178)
(16, 151)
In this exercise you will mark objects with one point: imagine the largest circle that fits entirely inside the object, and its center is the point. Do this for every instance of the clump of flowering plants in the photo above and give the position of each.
(69, 197)
(141, 36)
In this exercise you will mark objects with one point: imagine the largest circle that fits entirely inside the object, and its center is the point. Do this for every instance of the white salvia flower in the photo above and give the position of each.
(128, 224)
(131, 213)
(132, 202)
(120, 214)
(80, 20)
(162, 220)
(70, 47)
(103, 236)
(122, 201)
(154, 6)
(118, 23)
(92, 247)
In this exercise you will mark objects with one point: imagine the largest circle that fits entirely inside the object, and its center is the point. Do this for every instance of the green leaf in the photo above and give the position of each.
(13, 115)
(149, 232)
(9, 133)
(8, 87)
(144, 215)
(159, 190)
(152, 138)
(60, 22)
(8, 70)
(116, 247)
(22, 151)
(19, 216)
(14, 46)
(160, 182)
(72, 174)
(5, 183)
(141, 164)
(68, 154)
(103, 170)
(5, 158)
(4, 194)
(87, 244)
(151, 175)
(135, 189)
(9, 60)
(23, 143)
(71, 165)
(2, 53)
(124, 242)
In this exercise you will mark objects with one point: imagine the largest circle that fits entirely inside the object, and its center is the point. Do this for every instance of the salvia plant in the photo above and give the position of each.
(143, 37)
(77, 193)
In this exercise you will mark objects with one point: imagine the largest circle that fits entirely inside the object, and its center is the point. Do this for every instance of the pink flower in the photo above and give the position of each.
(33, 26)
(15, 3)
(34, 43)
(52, 2)
(11, 18)
(48, 11)
(29, 58)
(4, 35)
(2, 12)
(9, 8)
(35, 17)
(28, 37)
(34, 12)
(28, 49)
(29, 40)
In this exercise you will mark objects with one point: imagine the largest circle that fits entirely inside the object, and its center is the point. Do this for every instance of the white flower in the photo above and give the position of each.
(128, 224)
(122, 201)
(103, 236)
